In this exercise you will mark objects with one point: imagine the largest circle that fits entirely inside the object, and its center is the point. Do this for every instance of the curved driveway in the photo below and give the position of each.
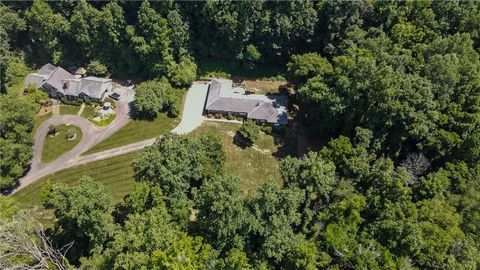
(92, 135)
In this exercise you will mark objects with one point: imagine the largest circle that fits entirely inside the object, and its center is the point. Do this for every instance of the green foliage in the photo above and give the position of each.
(178, 164)
(97, 68)
(388, 88)
(16, 124)
(47, 28)
(303, 67)
(83, 213)
(249, 131)
(152, 97)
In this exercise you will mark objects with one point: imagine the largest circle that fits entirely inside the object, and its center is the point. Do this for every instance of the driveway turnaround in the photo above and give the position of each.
(192, 116)
(92, 135)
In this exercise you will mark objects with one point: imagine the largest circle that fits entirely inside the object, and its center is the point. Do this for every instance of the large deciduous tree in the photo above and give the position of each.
(83, 213)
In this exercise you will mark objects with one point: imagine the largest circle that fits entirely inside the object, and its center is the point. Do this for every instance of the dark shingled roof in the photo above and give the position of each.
(271, 109)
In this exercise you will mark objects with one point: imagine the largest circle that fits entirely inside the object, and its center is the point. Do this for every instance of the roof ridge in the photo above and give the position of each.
(260, 106)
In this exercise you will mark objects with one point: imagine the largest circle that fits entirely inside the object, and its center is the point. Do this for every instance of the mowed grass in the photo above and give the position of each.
(39, 119)
(56, 146)
(254, 165)
(69, 109)
(137, 130)
(140, 129)
(88, 112)
(115, 173)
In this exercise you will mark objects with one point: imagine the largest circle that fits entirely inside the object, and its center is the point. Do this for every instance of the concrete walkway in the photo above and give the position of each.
(192, 116)
(82, 107)
(55, 108)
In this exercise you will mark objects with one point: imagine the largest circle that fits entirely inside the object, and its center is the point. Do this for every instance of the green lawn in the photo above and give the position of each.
(40, 119)
(58, 145)
(253, 165)
(115, 173)
(138, 130)
(88, 112)
(69, 109)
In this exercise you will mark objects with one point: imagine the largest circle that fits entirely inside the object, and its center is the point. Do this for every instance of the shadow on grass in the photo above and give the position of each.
(239, 141)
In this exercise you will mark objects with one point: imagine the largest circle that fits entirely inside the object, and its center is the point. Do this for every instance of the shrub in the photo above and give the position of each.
(70, 134)
(266, 128)
(52, 130)
(209, 115)
(279, 129)
(172, 111)
(218, 116)
(73, 102)
(249, 131)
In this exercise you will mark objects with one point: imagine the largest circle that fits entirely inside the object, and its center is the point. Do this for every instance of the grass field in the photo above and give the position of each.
(253, 165)
(115, 173)
(69, 109)
(58, 145)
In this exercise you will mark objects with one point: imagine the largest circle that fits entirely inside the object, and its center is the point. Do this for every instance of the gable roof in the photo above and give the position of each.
(94, 86)
(222, 97)
(57, 79)
(46, 69)
(35, 79)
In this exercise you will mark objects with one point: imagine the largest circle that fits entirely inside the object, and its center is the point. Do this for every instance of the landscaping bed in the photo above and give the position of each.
(62, 140)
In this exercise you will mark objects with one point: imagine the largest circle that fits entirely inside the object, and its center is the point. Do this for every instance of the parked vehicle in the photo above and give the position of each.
(115, 96)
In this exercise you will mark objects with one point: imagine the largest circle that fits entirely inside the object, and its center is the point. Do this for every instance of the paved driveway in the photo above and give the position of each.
(192, 116)
(92, 135)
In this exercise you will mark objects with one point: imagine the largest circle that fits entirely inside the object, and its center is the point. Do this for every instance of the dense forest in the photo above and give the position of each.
(391, 87)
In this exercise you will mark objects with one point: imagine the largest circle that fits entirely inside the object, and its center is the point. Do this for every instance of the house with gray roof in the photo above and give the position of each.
(225, 99)
(59, 83)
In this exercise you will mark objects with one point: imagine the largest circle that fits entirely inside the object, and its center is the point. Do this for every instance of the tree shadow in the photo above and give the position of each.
(137, 115)
(239, 141)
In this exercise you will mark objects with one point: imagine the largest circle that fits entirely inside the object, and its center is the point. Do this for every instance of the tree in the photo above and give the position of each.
(151, 240)
(306, 66)
(96, 68)
(183, 73)
(249, 56)
(152, 97)
(236, 259)
(23, 242)
(47, 28)
(276, 217)
(249, 131)
(83, 213)
(16, 124)
(10, 26)
(178, 164)
(222, 215)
